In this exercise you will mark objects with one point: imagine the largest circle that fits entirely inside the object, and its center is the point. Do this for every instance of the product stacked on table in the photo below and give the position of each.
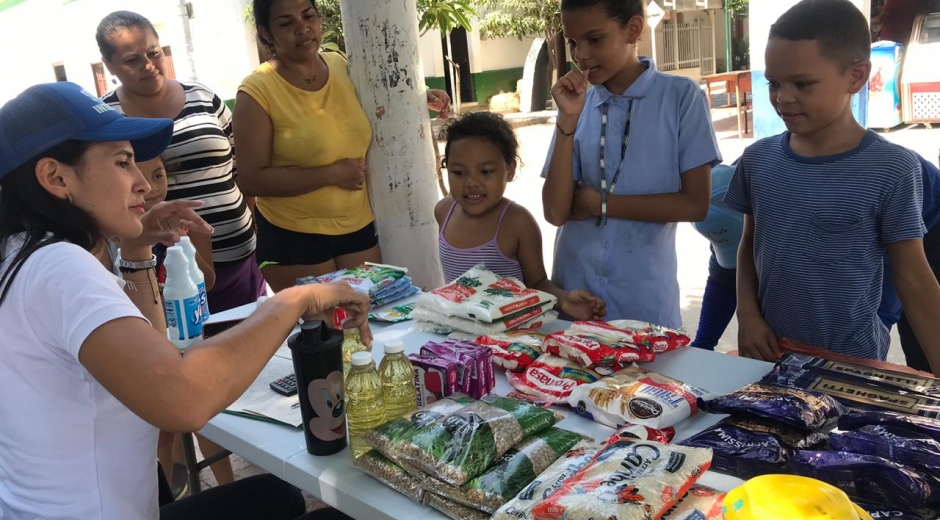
(452, 366)
(481, 302)
(497, 456)
(383, 284)
(871, 432)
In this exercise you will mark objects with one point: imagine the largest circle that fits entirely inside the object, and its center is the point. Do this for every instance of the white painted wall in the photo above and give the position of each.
(37, 33)
(485, 54)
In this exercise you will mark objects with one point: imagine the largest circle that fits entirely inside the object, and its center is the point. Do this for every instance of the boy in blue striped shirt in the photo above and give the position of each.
(825, 200)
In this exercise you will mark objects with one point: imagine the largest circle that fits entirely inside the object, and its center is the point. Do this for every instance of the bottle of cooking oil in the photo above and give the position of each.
(352, 343)
(397, 374)
(365, 408)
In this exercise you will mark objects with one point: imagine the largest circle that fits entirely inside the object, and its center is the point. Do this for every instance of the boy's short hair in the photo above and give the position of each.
(838, 27)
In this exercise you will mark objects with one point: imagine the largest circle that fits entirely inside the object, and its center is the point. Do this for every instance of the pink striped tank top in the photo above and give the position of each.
(456, 261)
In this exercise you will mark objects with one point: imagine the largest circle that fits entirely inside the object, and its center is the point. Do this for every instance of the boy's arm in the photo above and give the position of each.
(755, 337)
(689, 204)
(920, 295)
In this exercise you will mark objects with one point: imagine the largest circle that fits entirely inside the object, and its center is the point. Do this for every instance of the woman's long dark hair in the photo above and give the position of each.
(28, 211)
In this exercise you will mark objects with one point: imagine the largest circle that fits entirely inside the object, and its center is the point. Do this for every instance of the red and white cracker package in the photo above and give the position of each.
(592, 350)
(627, 480)
(642, 433)
(659, 339)
(701, 503)
(637, 396)
(551, 378)
(512, 351)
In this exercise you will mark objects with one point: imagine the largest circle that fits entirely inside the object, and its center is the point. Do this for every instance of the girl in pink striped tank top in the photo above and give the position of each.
(479, 226)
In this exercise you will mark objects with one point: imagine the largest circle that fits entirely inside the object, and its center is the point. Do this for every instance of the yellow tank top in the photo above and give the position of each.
(313, 129)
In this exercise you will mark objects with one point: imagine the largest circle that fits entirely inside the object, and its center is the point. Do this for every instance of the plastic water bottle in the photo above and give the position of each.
(365, 408)
(181, 301)
(397, 374)
(196, 274)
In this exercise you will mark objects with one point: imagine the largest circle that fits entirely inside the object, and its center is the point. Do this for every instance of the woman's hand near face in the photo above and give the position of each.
(164, 222)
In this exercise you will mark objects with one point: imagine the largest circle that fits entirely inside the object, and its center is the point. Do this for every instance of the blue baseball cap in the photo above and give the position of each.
(46, 115)
(723, 226)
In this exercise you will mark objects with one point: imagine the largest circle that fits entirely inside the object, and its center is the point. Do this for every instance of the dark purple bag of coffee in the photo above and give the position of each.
(909, 382)
(884, 511)
(867, 477)
(801, 409)
(923, 426)
(745, 446)
(892, 441)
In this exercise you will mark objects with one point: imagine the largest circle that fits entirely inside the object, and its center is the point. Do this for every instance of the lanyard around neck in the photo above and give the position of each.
(605, 190)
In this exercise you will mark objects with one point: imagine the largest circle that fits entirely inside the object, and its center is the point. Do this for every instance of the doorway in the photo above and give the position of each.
(458, 52)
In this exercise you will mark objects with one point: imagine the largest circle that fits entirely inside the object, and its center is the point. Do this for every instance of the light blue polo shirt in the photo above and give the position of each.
(631, 264)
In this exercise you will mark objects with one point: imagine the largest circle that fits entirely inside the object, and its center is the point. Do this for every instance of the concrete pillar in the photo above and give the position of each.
(382, 46)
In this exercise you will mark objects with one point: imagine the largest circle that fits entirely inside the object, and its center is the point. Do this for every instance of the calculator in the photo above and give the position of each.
(286, 385)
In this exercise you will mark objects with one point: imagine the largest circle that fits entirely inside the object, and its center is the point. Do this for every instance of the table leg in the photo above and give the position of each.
(728, 91)
(192, 465)
(708, 93)
(737, 99)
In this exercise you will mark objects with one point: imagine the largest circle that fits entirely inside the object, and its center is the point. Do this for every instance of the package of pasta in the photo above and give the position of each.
(802, 409)
(452, 509)
(701, 503)
(513, 351)
(642, 433)
(512, 472)
(390, 474)
(910, 382)
(637, 396)
(894, 439)
(548, 482)
(551, 378)
(656, 338)
(590, 350)
(396, 314)
(627, 480)
(868, 477)
(748, 446)
(401, 429)
(856, 392)
(464, 444)
(481, 295)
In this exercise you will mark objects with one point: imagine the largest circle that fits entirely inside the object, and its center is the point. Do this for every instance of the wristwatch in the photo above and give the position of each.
(132, 267)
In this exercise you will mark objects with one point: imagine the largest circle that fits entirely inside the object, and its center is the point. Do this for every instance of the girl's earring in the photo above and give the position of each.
(69, 197)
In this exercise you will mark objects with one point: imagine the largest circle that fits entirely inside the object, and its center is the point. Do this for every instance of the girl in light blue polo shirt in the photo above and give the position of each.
(632, 156)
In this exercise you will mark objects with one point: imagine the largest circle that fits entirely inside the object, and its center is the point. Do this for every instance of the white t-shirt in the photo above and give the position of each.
(68, 448)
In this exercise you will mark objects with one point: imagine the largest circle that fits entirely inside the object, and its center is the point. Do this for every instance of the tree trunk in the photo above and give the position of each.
(382, 46)
(561, 55)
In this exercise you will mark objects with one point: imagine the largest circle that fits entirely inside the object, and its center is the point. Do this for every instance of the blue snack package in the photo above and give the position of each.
(892, 442)
(859, 393)
(867, 477)
(803, 409)
(746, 447)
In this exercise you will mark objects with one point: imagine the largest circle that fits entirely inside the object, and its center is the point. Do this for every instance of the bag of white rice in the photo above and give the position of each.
(627, 480)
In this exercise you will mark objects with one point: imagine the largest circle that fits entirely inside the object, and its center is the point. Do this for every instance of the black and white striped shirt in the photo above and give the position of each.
(821, 226)
(200, 165)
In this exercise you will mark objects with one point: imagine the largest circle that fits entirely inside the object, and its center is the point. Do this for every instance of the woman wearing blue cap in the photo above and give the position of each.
(87, 375)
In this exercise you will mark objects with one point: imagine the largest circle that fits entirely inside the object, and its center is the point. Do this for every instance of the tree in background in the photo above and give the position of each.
(443, 15)
(525, 19)
(738, 8)
(740, 47)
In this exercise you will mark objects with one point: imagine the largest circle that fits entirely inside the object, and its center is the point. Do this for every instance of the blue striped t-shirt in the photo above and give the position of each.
(821, 228)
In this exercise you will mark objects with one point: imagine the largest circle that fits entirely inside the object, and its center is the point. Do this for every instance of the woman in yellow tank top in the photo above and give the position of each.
(301, 138)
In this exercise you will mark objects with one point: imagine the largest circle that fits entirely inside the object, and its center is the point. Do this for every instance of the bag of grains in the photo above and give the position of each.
(549, 481)
(390, 474)
(512, 472)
